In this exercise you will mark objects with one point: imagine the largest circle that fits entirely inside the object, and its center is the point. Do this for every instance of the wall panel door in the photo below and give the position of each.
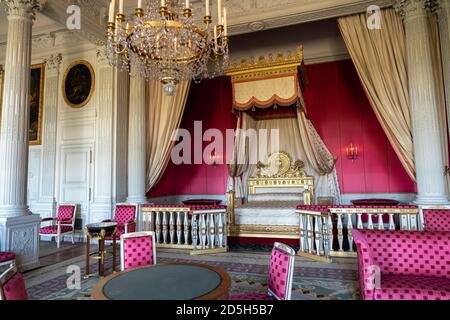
(75, 183)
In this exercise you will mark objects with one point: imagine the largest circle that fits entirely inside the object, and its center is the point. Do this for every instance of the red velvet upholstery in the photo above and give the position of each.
(12, 286)
(125, 216)
(436, 220)
(280, 276)
(137, 249)
(65, 219)
(7, 256)
(364, 217)
(54, 230)
(412, 265)
(66, 213)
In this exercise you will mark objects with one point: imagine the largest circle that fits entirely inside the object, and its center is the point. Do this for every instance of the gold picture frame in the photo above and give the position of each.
(78, 84)
(37, 81)
(36, 103)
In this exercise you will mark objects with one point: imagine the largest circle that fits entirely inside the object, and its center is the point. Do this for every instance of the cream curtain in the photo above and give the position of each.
(239, 165)
(164, 118)
(380, 59)
(299, 138)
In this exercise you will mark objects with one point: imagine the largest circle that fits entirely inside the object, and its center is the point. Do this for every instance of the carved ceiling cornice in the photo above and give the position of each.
(245, 16)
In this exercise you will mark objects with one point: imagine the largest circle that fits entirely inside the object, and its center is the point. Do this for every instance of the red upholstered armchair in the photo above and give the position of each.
(436, 219)
(125, 216)
(281, 273)
(403, 265)
(12, 285)
(137, 249)
(63, 224)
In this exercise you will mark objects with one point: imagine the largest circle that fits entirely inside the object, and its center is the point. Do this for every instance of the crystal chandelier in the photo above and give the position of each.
(162, 42)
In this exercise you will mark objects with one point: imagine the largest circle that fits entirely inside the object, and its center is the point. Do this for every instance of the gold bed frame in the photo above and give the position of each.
(279, 172)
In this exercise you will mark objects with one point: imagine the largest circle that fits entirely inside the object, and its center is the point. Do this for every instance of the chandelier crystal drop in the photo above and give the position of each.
(162, 42)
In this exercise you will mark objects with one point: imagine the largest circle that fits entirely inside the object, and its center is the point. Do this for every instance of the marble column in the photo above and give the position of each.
(18, 227)
(47, 201)
(431, 181)
(443, 13)
(111, 139)
(137, 141)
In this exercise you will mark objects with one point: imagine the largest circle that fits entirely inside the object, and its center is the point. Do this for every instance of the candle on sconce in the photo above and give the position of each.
(121, 7)
(208, 8)
(112, 6)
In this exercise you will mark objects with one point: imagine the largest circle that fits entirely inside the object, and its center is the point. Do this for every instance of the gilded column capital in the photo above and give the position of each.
(52, 63)
(412, 8)
(441, 7)
(23, 8)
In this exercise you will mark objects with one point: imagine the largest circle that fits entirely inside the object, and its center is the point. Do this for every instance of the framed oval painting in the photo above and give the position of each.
(78, 84)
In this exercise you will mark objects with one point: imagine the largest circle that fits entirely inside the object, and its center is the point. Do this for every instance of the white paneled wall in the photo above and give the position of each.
(82, 158)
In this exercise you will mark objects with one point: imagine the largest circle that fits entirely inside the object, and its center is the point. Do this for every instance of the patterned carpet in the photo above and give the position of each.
(248, 269)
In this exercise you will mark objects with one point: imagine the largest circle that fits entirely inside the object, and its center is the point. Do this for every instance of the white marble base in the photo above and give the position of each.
(21, 236)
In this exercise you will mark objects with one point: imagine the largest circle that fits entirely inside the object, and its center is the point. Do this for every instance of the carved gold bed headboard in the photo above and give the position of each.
(281, 173)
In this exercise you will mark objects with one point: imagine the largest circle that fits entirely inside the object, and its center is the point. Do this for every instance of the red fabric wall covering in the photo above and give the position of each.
(209, 102)
(339, 110)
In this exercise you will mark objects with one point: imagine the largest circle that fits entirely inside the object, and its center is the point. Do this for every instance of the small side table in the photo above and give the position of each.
(99, 232)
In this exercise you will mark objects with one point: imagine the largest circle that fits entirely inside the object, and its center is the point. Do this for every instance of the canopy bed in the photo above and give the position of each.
(293, 164)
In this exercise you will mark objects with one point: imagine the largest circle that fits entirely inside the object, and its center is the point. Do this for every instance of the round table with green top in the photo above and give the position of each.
(174, 281)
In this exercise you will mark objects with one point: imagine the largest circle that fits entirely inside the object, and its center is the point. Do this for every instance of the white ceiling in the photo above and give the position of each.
(245, 16)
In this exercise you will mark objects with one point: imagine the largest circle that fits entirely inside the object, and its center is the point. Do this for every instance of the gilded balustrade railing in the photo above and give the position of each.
(327, 232)
(203, 230)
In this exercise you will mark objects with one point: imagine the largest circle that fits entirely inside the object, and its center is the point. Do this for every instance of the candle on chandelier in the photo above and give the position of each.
(219, 10)
(121, 7)
(208, 9)
(139, 4)
(187, 4)
(112, 6)
(225, 22)
(216, 44)
(163, 3)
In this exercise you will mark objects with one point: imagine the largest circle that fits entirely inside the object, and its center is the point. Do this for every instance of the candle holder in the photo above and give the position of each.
(120, 18)
(139, 12)
(187, 12)
(207, 20)
(163, 11)
(352, 152)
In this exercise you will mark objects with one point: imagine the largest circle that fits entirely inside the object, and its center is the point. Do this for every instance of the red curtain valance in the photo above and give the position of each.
(268, 82)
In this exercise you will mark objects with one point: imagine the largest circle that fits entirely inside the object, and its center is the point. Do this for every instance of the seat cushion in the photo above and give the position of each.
(120, 231)
(54, 229)
(251, 297)
(7, 256)
(403, 287)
